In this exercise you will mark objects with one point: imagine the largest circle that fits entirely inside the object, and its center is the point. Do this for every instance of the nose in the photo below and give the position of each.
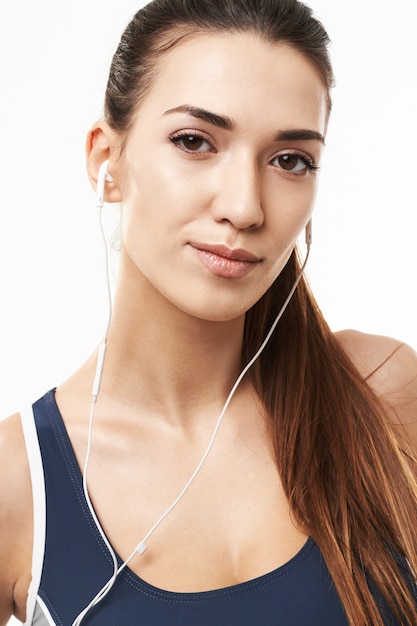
(238, 198)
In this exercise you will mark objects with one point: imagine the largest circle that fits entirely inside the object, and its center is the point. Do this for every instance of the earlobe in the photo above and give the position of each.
(102, 145)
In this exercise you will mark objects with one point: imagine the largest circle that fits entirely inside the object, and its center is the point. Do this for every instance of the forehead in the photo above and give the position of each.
(241, 76)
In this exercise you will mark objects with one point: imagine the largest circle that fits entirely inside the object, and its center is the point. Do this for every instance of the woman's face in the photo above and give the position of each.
(218, 175)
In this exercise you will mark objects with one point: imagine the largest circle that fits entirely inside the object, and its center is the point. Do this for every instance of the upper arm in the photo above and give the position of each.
(15, 521)
(390, 368)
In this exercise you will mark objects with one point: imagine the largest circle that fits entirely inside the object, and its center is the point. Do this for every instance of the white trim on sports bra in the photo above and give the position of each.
(39, 517)
(42, 616)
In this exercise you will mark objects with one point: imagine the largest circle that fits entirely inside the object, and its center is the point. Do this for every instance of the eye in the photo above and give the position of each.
(191, 142)
(294, 163)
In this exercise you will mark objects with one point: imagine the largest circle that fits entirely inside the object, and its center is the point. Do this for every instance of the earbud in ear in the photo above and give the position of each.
(102, 177)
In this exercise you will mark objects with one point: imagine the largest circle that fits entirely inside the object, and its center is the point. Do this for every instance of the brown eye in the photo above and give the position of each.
(289, 161)
(293, 163)
(192, 143)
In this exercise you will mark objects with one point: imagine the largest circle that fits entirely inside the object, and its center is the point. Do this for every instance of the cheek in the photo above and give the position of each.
(158, 206)
(288, 211)
(163, 193)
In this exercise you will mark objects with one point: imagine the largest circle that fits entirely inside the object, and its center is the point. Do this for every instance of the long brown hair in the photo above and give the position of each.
(346, 477)
(347, 480)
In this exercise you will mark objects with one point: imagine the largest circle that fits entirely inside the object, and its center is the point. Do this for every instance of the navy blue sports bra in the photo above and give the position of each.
(71, 562)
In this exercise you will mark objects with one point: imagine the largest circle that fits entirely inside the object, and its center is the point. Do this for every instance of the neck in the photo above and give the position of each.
(175, 364)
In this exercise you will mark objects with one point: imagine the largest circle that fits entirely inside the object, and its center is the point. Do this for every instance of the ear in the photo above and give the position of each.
(103, 144)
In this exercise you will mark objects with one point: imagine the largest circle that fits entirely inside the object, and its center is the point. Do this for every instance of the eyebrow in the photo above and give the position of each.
(221, 121)
(226, 123)
(299, 134)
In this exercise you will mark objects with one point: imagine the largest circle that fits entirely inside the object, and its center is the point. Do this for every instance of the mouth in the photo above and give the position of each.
(222, 261)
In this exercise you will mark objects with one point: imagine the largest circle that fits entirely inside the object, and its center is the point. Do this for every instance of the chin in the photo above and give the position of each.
(220, 312)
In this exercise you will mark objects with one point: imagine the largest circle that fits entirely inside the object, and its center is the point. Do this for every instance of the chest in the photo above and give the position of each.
(206, 535)
(231, 525)
(203, 581)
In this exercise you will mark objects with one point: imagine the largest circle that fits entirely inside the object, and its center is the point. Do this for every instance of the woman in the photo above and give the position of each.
(302, 509)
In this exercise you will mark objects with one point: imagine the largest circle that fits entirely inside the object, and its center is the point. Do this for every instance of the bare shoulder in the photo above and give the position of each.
(390, 368)
(388, 364)
(15, 520)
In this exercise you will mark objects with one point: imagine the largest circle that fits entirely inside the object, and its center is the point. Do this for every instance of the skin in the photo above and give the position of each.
(176, 331)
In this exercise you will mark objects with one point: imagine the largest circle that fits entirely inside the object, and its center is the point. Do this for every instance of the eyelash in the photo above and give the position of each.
(308, 162)
(176, 138)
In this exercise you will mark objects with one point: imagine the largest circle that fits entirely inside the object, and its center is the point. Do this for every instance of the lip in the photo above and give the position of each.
(226, 253)
(222, 261)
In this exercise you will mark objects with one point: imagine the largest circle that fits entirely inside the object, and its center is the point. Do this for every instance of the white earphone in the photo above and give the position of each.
(102, 178)
(141, 547)
(309, 232)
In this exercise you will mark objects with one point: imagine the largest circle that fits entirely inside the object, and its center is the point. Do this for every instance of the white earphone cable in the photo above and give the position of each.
(95, 393)
(141, 546)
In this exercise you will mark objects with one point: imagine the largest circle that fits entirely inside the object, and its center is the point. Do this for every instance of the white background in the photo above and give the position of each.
(54, 59)
(54, 62)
